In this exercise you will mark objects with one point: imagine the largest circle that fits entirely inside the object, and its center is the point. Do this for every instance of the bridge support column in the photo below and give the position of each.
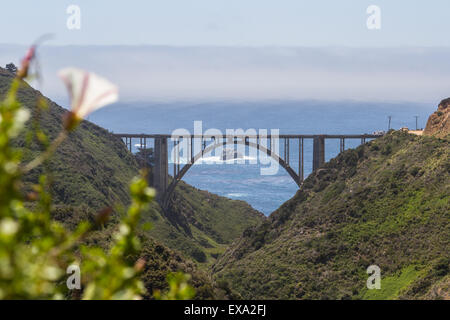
(318, 152)
(161, 173)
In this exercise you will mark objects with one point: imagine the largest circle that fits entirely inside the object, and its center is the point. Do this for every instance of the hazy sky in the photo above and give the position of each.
(241, 49)
(229, 22)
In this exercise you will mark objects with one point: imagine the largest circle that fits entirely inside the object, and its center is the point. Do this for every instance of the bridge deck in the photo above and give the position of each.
(281, 136)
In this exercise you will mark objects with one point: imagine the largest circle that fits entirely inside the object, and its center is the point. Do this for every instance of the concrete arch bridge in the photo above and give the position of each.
(195, 147)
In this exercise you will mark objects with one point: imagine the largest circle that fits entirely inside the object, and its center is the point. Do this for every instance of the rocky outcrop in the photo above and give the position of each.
(438, 123)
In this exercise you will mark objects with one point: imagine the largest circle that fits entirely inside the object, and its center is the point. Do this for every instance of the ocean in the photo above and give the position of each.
(244, 181)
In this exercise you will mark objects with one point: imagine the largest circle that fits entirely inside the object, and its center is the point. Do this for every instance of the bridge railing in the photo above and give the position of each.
(281, 136)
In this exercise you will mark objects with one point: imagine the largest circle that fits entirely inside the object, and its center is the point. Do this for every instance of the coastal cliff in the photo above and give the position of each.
(438, 123)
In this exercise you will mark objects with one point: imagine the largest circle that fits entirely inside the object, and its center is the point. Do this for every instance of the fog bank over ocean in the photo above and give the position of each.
(253, 73)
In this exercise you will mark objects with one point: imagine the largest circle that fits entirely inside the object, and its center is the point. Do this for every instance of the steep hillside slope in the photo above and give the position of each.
(384, 203)
(92, 169)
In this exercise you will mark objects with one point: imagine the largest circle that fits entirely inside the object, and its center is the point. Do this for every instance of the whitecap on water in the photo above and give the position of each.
(236, 195)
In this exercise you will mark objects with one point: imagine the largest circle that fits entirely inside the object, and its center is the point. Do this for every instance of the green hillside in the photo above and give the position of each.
(92, 170)
(385, 203)
(202, 224)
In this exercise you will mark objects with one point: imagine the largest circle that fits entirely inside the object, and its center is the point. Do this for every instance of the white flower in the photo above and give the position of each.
(8, 227)
(88, 91)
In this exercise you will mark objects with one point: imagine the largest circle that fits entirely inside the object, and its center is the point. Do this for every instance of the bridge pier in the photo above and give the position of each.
(301, 163)
(318, 152)
(161, 169)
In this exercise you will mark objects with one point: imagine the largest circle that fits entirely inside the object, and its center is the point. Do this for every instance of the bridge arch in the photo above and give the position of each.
(170, 189)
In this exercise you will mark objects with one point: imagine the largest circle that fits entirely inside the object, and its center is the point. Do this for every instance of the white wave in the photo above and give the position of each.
(214, 160)
(219, 160)
(236, 195)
